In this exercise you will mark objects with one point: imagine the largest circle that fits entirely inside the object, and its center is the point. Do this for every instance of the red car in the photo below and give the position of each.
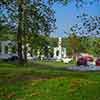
(84, 60)
(81, 61)
(89, 58)
(98, 62)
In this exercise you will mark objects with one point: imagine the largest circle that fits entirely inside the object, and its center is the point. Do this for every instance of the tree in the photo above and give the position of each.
(84, 3)
(95, 46)
(6, 33)
(88, 26)
(27, 17)
(73, 44)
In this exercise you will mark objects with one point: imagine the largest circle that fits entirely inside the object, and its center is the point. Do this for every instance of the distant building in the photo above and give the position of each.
(59, 52)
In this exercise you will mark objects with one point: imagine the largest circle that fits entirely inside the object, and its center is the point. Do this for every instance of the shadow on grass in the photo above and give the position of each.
(35, 71)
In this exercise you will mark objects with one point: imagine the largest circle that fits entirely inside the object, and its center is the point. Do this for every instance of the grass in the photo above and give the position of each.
(56, 64)
(44, 82)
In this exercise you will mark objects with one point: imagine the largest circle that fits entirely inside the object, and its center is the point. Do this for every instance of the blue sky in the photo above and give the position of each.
(66, 16)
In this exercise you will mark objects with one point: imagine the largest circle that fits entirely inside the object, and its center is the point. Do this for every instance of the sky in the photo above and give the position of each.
(66, 16)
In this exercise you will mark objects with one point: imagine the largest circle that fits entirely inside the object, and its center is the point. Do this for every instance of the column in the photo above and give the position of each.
(60, 52)
(9, 49)
(64, 52)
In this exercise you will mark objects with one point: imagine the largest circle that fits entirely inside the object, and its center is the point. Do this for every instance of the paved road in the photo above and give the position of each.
(85, 68)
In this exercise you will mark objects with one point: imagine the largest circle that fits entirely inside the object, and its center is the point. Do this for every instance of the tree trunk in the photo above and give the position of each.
(19, 35)
(25, 53)
(25, 31)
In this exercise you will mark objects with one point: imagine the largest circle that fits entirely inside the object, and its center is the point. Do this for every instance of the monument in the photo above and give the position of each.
(59, 52)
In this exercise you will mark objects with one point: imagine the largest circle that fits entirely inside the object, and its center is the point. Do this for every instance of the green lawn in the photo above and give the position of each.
(55, 64)
(44, 82)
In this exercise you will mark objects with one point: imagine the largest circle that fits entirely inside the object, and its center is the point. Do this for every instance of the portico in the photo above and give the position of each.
(7, 47)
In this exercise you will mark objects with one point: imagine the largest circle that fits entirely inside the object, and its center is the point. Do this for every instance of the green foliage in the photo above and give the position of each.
(6, 33)
(53, 42)
(88, 25)
(95, 46)
(37, 17)
(90, 45)
(73, 44)
(27, 17)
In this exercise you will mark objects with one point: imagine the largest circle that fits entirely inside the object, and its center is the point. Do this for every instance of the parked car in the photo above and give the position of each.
(85, 60)
(81, 61)
(98, 62)
(8, 57)
(13, 58)
(89, 58)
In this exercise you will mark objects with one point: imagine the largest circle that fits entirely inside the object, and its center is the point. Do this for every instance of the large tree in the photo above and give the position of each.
(73, 44)
(26, 17)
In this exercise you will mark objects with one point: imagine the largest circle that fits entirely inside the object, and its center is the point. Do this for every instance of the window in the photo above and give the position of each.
(57, 53)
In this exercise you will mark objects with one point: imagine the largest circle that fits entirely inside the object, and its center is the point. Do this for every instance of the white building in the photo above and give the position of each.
(59, 52)
(7, 48)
